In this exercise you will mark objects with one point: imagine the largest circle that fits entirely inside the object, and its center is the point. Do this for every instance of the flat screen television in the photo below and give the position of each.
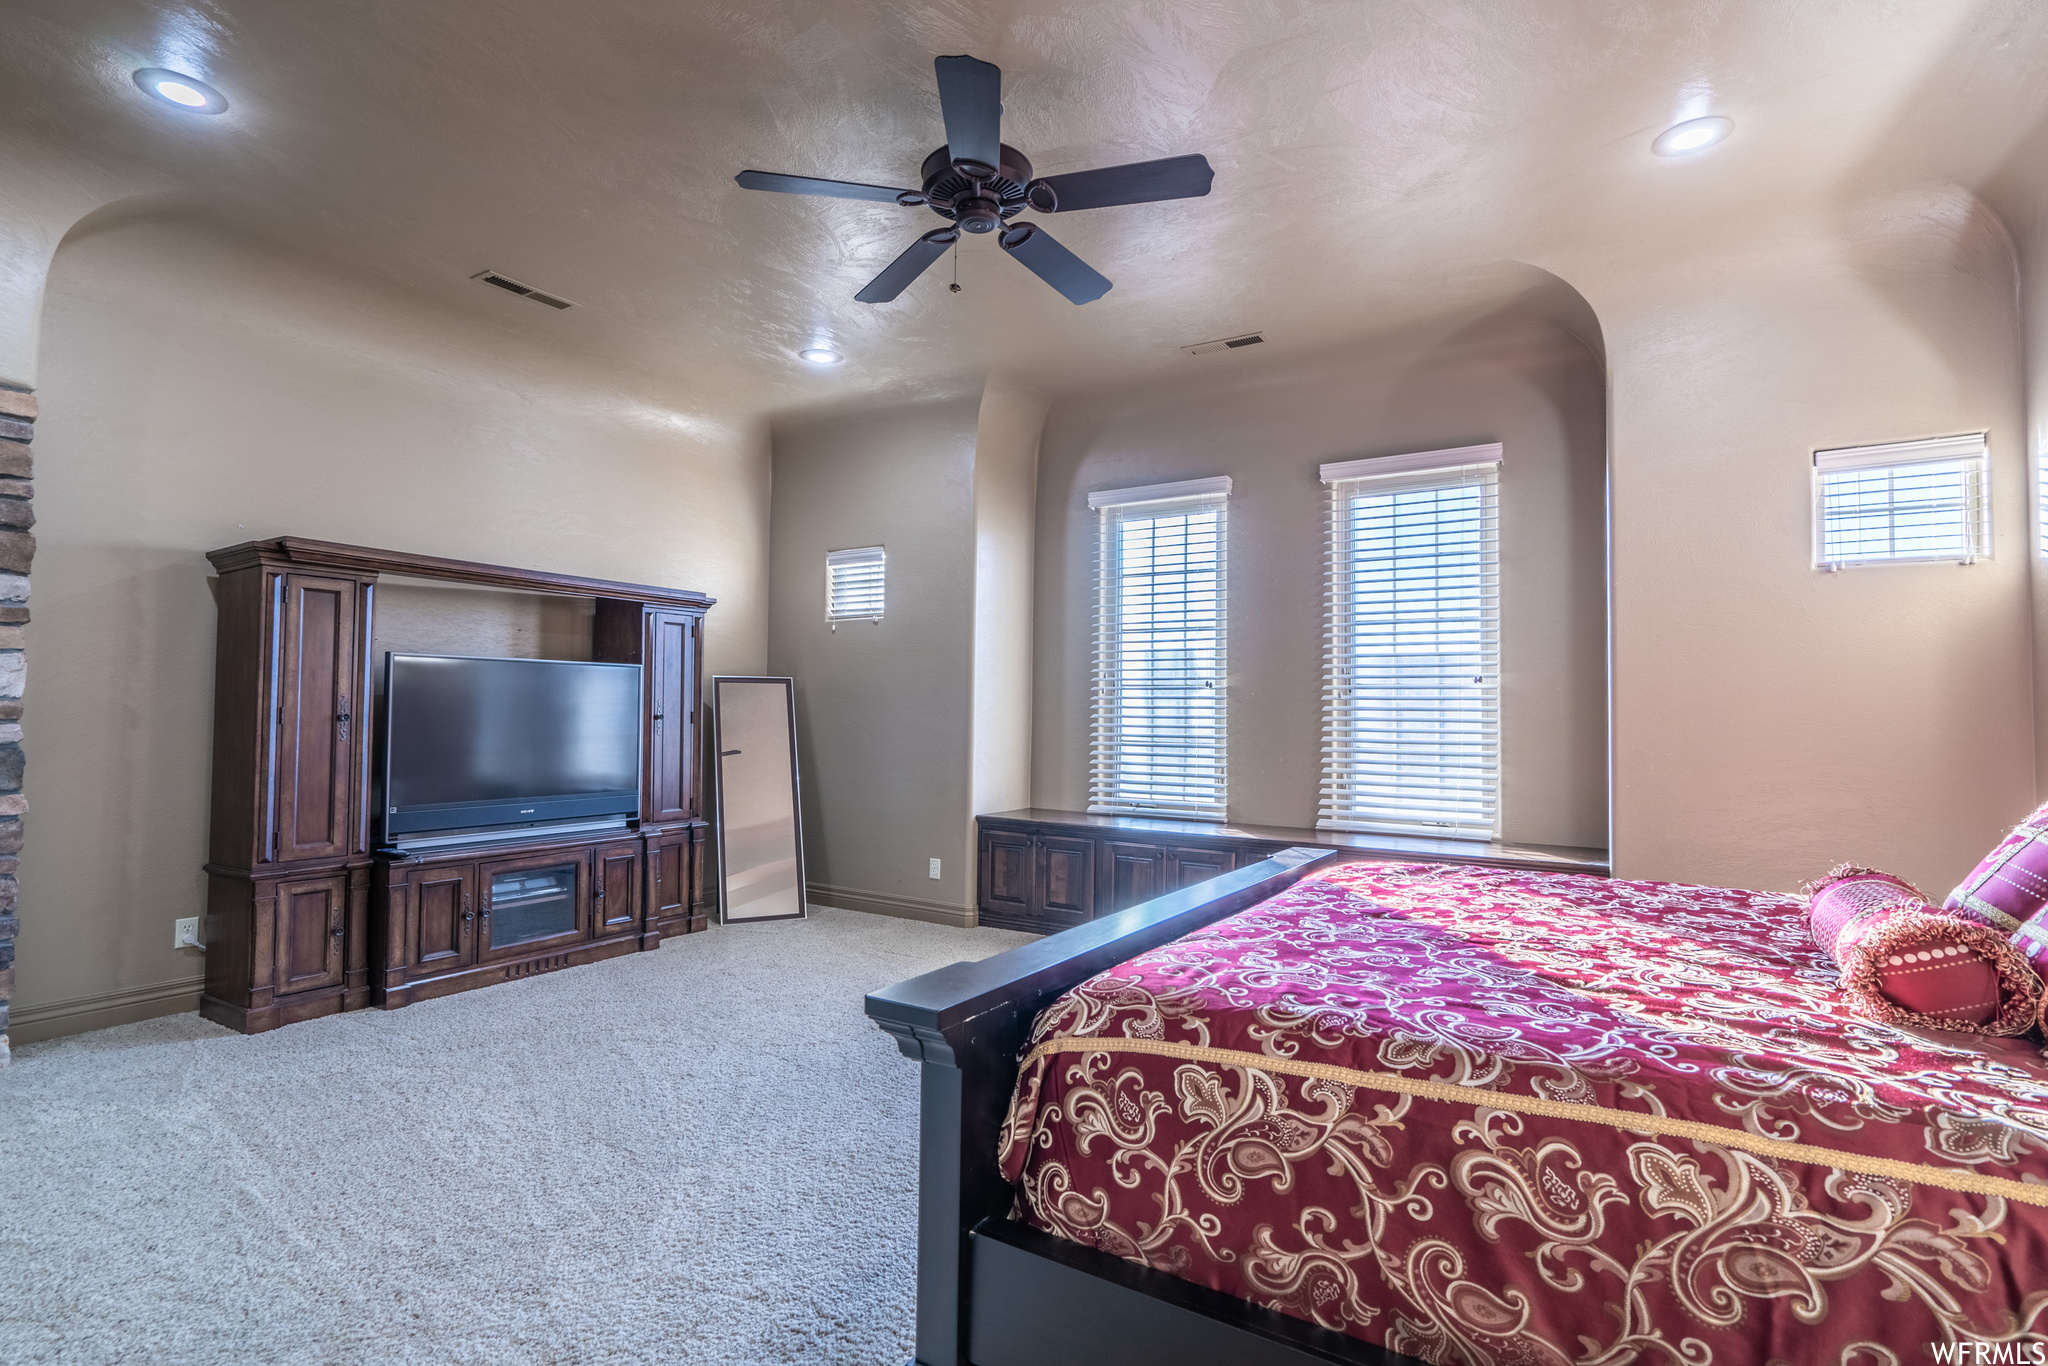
(480, 744)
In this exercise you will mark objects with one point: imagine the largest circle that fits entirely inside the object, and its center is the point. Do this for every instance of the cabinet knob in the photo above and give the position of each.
(337, 931)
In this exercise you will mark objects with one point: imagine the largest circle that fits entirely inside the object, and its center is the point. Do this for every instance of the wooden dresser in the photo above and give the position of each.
(1044, 871)
(305, 916)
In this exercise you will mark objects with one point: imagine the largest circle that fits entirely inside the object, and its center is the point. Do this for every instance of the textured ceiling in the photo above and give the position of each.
(1372, 159)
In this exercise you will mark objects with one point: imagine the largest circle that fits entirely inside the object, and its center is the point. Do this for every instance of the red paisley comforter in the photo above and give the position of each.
(1495, 1117)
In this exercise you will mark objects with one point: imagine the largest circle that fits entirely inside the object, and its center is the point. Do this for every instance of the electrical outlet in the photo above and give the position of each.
(935, 869)
(187, 934)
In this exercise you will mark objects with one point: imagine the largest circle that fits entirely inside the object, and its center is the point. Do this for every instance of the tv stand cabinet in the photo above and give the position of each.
(304, 916)
(469, 916)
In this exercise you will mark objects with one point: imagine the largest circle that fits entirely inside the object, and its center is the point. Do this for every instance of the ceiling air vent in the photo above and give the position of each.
(506, 282)
(1225, 344)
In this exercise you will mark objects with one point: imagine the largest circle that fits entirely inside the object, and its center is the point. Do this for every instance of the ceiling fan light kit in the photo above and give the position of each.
(980, 183)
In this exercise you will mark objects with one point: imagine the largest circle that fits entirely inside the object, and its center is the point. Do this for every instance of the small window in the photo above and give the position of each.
(1896, 504)
(854, 583)
(1411, 741)
(1161, 651)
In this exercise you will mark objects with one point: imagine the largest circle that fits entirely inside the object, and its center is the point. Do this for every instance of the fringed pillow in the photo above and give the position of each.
(1905, 962)
(2009, 889)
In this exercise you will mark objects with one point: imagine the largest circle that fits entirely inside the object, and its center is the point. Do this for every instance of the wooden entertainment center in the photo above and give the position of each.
(305, 915)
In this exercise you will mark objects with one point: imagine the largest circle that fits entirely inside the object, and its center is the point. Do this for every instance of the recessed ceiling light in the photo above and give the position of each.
(185, 92)
(820, 355)
(1694, 135)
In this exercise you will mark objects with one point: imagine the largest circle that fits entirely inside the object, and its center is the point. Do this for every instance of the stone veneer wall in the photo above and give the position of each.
(17, 549)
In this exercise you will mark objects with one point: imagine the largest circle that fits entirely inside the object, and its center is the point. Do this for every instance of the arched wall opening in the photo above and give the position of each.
(1772, 719)
(1513, 355)
(199, 389)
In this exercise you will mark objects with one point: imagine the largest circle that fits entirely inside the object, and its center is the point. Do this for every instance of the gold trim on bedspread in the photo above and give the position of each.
(1428, 1088)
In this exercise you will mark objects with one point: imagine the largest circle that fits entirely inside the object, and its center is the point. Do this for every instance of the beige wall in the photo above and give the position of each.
(1772, 720)
(909, 726)
(423, 617)
(1268, 423)
(46, 192)
(884, 711)
(1005, 543)
(197, 392)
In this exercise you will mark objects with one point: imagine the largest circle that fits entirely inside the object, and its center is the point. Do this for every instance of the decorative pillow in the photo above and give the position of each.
(2009, 890)
(1905, 962)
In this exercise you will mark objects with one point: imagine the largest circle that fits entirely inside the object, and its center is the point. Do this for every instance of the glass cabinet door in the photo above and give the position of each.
(530, 903)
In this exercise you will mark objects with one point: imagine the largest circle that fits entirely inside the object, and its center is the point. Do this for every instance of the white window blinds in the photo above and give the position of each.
(1911, 500)
(1161, 651)
(854, 580)
(1411, 741)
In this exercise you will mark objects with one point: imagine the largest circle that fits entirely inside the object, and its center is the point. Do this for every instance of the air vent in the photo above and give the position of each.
(506, 282)
(1225, 344)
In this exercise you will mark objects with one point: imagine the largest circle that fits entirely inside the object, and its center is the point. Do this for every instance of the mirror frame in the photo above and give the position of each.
(796, 796)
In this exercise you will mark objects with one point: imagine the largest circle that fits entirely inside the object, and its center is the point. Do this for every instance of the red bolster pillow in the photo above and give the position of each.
(1906, 962)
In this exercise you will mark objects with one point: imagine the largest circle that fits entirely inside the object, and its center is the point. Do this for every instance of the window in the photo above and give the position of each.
(1912, 500)
(1411, 740)
(853, 583)
(1160, 651)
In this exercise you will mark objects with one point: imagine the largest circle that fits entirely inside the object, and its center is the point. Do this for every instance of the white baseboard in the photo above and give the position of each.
(33, 1024)
(880, 903)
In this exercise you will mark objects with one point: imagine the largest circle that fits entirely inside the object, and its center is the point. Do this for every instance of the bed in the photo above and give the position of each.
(1378, 1113)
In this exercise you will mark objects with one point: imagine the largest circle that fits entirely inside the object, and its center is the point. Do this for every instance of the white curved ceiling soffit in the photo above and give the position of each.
(1372, 159)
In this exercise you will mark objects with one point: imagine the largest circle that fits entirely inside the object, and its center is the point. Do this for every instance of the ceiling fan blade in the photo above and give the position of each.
(837, 189)
(908, 266)
(971, 95)
(1054, 264)
(1141, 182)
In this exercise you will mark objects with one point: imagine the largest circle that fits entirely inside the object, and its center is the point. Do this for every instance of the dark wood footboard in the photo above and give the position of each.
(991, 1292)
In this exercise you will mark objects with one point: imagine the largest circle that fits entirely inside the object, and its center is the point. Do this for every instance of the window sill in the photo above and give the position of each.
(1416, 848)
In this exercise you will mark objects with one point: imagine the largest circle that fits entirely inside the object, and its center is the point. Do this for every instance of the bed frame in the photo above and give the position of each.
(994, 1292)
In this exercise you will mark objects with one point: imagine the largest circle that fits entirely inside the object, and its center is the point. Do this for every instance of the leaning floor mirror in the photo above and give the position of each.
(760, 823)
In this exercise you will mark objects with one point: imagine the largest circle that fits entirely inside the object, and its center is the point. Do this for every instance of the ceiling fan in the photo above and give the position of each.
(981, 183)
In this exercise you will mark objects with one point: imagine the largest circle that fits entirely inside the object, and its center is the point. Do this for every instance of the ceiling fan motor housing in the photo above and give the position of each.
(977, 205)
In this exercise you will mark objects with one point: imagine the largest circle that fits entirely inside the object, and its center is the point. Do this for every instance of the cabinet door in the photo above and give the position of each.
(312, 915)
(615, 891)
(1131, 874)
(440, 918)
(317, 733)
(1193, 864)
(1005, 873)
(1064, 889)
(532, 904)
(671, 788)
(668, 863)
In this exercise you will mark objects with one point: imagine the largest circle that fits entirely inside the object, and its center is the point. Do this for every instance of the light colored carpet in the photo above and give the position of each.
(705, 1154)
